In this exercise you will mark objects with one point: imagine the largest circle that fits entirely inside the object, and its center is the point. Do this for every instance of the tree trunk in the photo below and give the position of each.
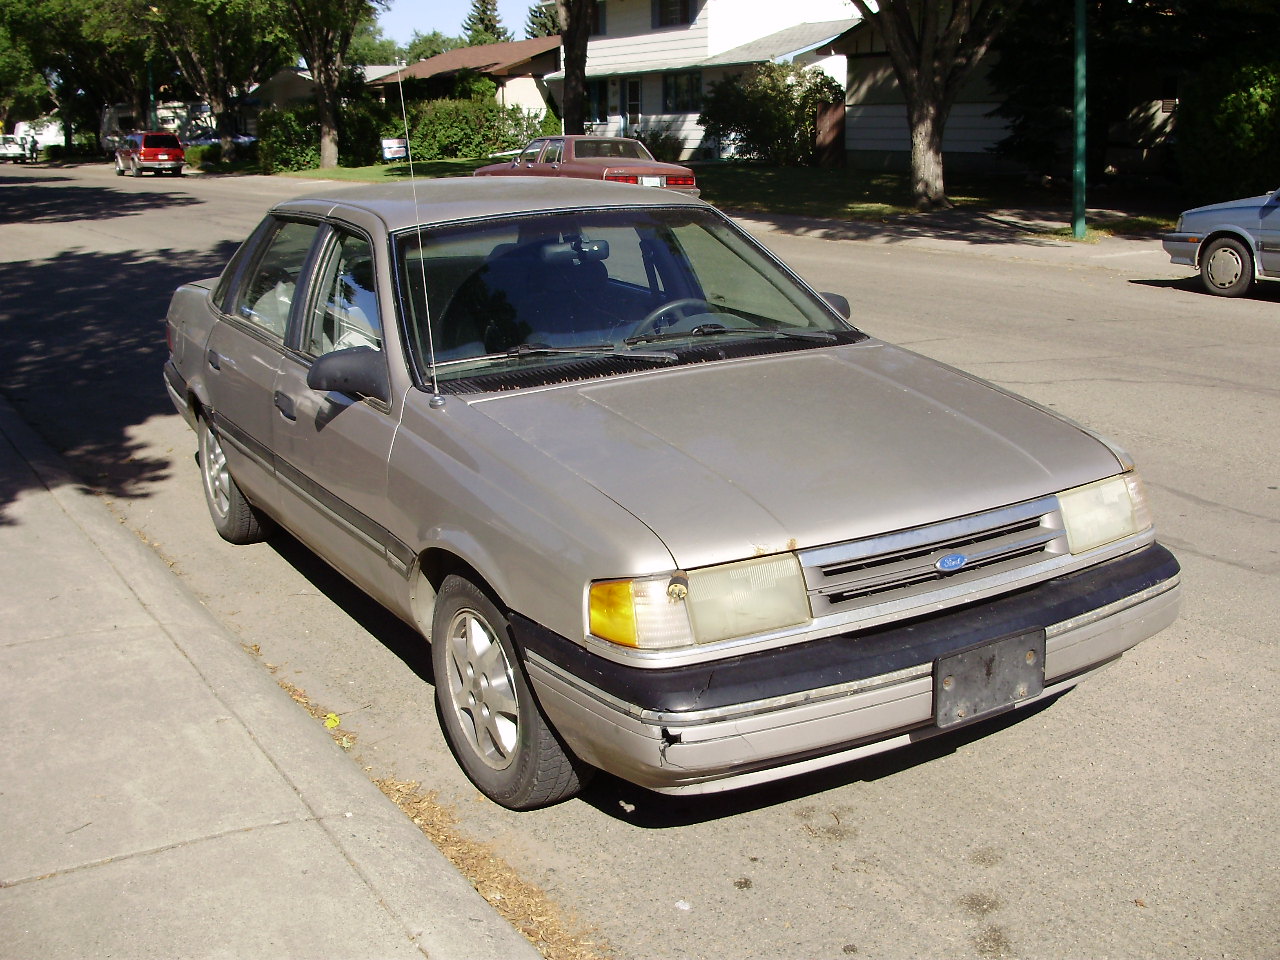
(928, 120)
(575, 29)
(328, 132)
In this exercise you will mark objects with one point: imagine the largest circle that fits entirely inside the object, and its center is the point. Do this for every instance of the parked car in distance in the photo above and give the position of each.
(12, 150)
(157, 151)
(1232, 244)
(658, 506)
(613, 159)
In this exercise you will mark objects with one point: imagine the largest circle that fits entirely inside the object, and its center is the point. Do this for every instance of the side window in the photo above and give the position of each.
(344, 312)
(554, 152)
(266, 294)
(531, 152)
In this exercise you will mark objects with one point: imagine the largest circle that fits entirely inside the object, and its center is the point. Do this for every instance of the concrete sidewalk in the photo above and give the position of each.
(161, 796)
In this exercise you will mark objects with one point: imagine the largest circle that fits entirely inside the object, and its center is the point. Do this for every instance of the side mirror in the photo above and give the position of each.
(358, 371)
(838, 303)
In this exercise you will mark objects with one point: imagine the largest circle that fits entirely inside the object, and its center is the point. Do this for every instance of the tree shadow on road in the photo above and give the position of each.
(43, 199)
(82, 346)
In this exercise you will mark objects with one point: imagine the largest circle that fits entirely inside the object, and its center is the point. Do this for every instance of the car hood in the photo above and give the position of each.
(1230, 207)
(783, 452)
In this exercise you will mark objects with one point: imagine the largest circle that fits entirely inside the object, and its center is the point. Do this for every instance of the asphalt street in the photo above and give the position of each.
(1132, 817)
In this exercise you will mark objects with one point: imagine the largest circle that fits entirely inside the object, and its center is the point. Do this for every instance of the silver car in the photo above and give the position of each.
(1231, 244)
(658, 506)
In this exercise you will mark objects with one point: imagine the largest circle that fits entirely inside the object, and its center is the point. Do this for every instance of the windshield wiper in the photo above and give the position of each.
(717, 330)
(587, 350)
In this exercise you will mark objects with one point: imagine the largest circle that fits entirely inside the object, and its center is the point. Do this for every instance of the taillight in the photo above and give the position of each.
(681, 181)
(621, 177)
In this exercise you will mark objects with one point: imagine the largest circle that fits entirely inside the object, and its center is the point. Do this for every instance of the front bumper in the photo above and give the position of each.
(763, 716)
(1183, 248)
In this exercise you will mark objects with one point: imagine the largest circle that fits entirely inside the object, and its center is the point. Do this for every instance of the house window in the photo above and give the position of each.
(672, 13)
(597, 19)
(682, 92)
(597, 101)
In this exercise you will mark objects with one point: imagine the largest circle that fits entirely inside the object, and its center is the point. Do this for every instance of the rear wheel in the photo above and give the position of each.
(119, 168)
(490, 718)
(1227, 267)
(233, 516)
(134, 169)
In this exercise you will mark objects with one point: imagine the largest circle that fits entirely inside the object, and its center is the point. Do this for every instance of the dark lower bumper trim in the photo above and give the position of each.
(855, 656)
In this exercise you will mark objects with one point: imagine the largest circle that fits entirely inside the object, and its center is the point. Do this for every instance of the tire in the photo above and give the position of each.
(119, 168)
(1226, 268)
(487, 710)
(134, 169)
(233, 516)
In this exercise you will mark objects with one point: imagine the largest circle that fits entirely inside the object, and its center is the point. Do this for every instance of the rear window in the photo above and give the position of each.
(161, 141)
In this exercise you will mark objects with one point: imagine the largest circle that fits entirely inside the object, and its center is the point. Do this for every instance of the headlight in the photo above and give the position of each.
(1102, 512)
(702, 606)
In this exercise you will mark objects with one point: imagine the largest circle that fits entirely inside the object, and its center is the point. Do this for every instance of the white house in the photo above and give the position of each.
(650, 61)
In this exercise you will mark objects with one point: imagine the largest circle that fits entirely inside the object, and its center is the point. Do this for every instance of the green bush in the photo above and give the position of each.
(1228, 129)
(198, 156)
(289, 139)
(453, 129)
(662, 142)
(770, 112)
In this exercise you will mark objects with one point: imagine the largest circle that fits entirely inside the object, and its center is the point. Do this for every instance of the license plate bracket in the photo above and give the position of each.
(988, 678)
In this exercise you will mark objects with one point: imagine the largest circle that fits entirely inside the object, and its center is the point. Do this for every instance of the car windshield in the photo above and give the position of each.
(611, 149)
(634, 283)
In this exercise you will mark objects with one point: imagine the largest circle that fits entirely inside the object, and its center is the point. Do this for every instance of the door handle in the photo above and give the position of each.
(215, 361)
(284, 403)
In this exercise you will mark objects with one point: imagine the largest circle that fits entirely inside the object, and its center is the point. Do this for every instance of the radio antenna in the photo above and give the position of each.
(437, 400)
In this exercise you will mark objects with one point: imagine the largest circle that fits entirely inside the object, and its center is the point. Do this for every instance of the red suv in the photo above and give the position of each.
(157, 151)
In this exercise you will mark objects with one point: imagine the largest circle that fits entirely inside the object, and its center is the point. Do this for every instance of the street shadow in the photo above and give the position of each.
(654, 811)
(1023, 226)
(41, 199)
(1263, 292)
(393, 633)
(82, 346)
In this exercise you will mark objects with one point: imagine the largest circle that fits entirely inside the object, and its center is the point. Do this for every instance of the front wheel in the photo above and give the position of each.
(119, 168)
(1227, 268)
(233, 516)
(490, 718)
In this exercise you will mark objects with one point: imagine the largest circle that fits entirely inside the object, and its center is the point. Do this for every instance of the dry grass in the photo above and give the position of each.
(522, 904)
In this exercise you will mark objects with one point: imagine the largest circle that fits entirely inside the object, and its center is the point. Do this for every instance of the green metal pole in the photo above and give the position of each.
(1078, 178)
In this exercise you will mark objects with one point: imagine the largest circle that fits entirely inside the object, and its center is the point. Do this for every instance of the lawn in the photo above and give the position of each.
(843, 194)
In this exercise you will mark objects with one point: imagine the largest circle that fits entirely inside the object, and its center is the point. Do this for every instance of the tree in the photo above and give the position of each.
(86, 56)
(322, 30)
(222, 48)
(370, 47)
(934, 47)
(484, 25)
(24, 95)
(543, 21)
(426, 46)
(575, 18)
(770, 113)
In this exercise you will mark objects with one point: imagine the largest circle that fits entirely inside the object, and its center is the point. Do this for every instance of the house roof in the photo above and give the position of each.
(496, 59)
(784, 45)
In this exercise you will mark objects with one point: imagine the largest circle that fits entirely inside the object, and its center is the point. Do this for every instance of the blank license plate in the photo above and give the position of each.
(988, 679)
(650, 181)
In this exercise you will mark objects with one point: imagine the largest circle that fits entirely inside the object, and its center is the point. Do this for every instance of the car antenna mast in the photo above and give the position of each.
(437, 399)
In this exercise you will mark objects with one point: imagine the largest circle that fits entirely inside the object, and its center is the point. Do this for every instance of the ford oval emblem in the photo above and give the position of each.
(951, 562)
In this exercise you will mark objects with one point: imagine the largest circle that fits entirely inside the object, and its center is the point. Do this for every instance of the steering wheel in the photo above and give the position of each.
(683, 306)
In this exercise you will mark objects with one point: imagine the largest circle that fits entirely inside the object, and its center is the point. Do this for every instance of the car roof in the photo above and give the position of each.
(444, 200)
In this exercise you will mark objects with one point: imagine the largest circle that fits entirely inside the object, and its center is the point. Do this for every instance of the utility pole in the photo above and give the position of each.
(1078, 178)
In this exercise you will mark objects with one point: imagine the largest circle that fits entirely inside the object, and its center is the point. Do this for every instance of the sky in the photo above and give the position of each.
(405, 16)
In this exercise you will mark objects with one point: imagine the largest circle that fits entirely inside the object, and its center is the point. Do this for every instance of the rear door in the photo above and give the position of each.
(245, 349)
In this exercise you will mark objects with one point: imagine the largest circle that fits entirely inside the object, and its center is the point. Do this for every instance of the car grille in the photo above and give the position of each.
(937, 565)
